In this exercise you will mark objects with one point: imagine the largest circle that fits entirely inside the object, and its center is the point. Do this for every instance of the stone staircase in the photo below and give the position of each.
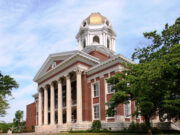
(175, 126)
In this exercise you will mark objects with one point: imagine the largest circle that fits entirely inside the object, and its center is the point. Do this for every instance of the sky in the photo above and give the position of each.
(30, 30)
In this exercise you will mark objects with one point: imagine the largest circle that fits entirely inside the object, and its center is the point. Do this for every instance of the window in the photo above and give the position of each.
(96, 89)
(54, 65)
(84, 24)
(110, 88)
(108, 43)
(126, 110)
(96, 111)
(84, 43)
(95, 39)
(107, 23)
(113, 114)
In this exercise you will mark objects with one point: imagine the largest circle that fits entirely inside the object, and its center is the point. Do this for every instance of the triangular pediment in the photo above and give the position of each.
(60, 60)
(99, 48)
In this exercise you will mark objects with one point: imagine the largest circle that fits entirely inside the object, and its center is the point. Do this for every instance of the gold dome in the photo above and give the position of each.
(96, 18)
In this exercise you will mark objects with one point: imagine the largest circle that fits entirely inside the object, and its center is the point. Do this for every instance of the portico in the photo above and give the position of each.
(60, 101)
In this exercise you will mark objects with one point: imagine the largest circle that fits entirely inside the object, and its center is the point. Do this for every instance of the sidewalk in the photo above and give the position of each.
(19, 134)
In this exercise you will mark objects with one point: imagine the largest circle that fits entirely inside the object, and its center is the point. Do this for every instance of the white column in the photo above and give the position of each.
(52, 105)
(114, 45)
(68, 99)
(45, 106)
(89, 41)
(105, 40)
(59, 102)
(40, 108)
(79, 95)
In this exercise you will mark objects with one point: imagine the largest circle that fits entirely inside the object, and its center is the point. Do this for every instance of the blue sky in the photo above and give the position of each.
(32, 29)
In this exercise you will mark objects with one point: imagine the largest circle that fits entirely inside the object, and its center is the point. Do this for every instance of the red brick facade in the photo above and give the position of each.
(30, 116)
(86, 100)
(99, 55)
(102, 99)
(87, 96)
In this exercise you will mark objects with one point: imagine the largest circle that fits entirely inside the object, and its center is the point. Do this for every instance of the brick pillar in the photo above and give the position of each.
(102, 99)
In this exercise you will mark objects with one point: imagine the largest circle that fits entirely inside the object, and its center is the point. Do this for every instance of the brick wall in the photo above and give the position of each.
(86, 99)
(99, 55)
(30, 116)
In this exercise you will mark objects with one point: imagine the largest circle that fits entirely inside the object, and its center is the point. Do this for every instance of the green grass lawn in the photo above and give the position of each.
(107, 134)
(95, 134)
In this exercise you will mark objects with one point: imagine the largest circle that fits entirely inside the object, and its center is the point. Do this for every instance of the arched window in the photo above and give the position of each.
(107, 23)
(96, 39)
(84, 43)
(84, 24)
(108, 43)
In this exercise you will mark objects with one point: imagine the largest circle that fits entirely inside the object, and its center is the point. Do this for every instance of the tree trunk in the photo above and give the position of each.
(147, 121)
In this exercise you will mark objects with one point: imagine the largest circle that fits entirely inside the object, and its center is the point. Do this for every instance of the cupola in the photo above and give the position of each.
(96, 30)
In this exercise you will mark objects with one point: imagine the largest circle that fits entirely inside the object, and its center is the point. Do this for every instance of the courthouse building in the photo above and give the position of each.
(72, 88)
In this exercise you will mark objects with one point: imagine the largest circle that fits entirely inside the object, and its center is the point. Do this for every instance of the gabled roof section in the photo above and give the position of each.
(50, 59)
(116, 59)
(99, 48)
(65, 57)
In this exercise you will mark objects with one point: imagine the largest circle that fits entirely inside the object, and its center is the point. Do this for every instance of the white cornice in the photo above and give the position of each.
(99, 48)
(116, 59)
(96, 29)
(76, 56)
(51, 56)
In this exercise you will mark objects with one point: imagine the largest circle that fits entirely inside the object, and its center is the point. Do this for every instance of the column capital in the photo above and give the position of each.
(40, 89)
(78, 70)
(59, 80)
(52, 83)
(45, 87)
(67, 76)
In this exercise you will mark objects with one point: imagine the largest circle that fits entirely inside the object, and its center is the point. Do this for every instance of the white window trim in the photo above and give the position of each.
(108, 91)
(129, 107)
(139, 116)
(106, 85)
(93, 112)
(110, 117)
(92, 89)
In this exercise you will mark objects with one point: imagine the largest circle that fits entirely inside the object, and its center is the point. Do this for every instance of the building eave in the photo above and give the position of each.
(49, 58)
(116, 59)
(66, 61)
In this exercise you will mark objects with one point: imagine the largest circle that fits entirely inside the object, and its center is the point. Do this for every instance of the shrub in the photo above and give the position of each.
(96, 126)
(137, 127)
(4, 127)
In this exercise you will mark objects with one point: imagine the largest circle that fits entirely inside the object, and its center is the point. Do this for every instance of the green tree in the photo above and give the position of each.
(6, 85)
(153, 83)
(18, 122)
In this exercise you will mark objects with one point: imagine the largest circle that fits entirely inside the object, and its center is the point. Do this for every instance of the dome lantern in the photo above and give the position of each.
(96, 30)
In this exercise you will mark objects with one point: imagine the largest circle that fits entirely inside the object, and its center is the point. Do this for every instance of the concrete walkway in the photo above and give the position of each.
(18, 134)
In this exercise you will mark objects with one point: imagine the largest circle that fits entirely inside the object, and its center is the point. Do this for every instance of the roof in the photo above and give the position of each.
(66, 57)
(96, 18)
